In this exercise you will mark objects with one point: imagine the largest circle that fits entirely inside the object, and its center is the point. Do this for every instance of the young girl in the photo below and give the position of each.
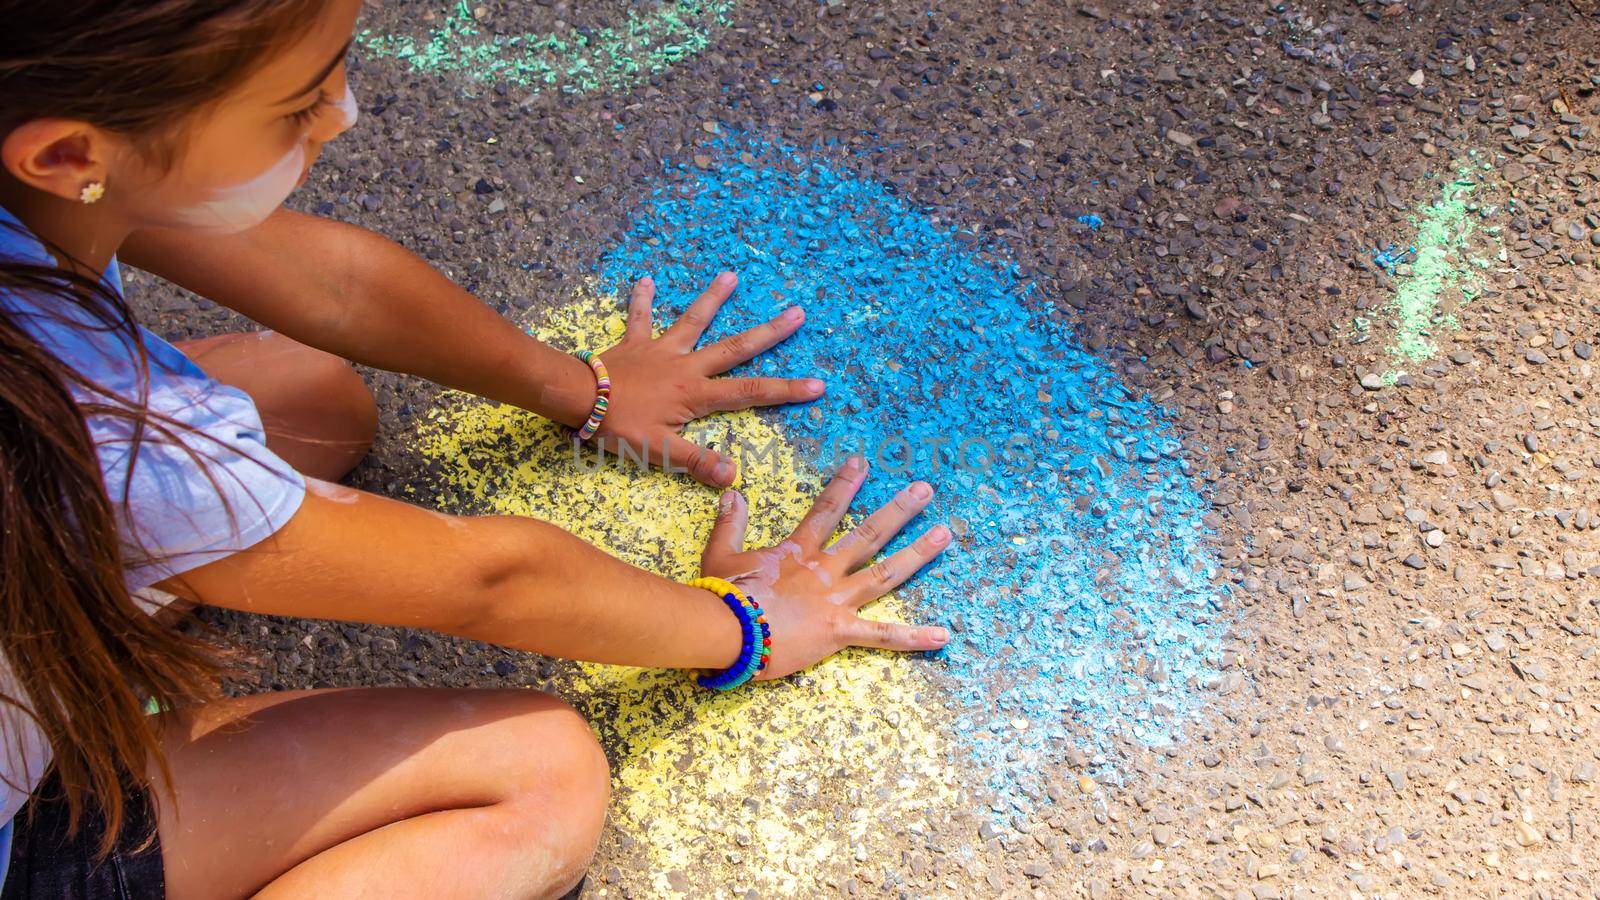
(133, 471)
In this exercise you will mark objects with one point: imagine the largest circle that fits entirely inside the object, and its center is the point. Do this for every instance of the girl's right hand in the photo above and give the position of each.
(810, 590)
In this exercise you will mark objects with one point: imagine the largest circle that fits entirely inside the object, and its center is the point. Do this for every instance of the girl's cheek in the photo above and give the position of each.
(238, 207)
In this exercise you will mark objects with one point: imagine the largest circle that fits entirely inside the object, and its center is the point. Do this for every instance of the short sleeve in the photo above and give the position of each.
(202, 489)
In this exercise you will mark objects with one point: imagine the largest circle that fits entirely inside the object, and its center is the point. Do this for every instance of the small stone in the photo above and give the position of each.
(1181, 138)
(1530, 669)
(1085, 784)
(1372, 381)
(1527, 835)
(1417, 78)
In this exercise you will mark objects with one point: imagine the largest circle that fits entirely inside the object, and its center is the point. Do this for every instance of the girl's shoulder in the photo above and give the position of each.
(89, 334)
(200, 486)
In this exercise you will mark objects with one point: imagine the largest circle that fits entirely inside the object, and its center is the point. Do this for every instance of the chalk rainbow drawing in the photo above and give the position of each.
(1082, 589)
(612, 58)
(1082, 585)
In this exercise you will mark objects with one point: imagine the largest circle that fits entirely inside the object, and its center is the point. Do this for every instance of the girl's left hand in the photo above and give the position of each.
(812, 591)
(660, 384)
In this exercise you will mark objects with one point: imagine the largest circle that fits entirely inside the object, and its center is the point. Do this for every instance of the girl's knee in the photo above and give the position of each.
(346, 402)
(556, 805)
(568, 747)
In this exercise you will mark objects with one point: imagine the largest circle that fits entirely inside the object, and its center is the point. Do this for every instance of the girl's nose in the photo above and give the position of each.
(340, 116)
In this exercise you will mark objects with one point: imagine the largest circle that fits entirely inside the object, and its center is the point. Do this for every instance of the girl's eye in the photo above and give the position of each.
(303, 117)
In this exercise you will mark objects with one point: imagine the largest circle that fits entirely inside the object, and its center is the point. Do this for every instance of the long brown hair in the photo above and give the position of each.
(85, 656)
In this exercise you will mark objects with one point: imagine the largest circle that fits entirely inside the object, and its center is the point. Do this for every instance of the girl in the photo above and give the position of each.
(167, 132)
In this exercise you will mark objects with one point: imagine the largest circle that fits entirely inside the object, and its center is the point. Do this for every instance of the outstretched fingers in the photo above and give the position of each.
(640, 302)
(747, 345)
(894, 570)
(830, 506)
(727, 533)
(730, 394)
(895, 635)
(703, 465)
(697, 318)
(878, 529)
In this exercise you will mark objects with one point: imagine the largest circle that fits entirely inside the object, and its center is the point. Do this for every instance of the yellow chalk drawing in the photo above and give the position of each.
(773, 788)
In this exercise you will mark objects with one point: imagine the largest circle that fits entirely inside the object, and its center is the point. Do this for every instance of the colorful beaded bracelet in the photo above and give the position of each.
(755, 648)
(602, 395)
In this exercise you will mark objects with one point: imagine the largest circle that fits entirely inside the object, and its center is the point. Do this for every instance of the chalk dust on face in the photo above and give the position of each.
(238, 207)
(347, 108)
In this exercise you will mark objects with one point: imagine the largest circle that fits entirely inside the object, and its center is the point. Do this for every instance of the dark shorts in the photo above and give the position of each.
(47, 864)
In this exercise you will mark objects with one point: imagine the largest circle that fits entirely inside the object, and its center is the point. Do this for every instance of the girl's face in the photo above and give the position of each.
(240, 158)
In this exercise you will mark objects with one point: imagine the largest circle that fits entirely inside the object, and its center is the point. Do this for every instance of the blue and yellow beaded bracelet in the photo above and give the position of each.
(755, 648)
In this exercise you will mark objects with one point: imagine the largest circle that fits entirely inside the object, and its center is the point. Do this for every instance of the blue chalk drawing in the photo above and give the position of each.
(1390, 257)
(1093, 221)
(1082, 588)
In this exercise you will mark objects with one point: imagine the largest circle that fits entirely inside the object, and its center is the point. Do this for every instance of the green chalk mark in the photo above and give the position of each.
(612, 58)
(1442, 264)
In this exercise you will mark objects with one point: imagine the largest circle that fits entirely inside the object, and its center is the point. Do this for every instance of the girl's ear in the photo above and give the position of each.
(57, 156)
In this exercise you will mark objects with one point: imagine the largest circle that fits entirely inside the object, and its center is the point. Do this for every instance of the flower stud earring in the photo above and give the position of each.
(91, 192)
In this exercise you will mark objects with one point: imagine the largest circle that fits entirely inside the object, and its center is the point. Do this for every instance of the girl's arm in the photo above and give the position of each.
(350, 292)
(527, 584)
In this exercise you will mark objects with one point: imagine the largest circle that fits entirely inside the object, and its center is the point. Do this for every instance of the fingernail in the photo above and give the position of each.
(855, 464)
(814, 385)
(727, 278)
(723, 472)
(938, 635)
(940, 534)
(725, 502)
(921, 490)
(793, 314)
(647, 280)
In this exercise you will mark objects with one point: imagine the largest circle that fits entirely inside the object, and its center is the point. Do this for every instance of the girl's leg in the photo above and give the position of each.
(380, 792)
(319, 415)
